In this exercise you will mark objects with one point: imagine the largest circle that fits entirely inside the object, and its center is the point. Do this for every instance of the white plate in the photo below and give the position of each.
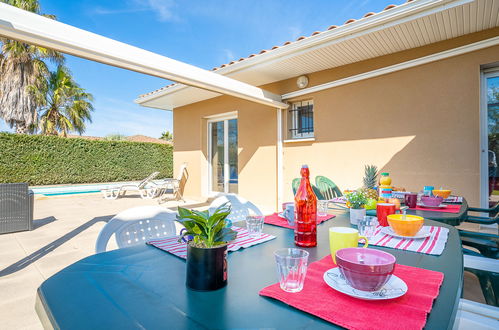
(422, 233)
(441, 206)
(281, 214)
(394, 288)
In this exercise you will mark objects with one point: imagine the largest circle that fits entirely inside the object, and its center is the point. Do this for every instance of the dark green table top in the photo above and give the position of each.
(144, 287)
(453, 219)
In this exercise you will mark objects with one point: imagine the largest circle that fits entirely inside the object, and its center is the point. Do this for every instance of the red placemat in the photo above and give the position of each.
(407, 312)
(449, 208)
(276, 220)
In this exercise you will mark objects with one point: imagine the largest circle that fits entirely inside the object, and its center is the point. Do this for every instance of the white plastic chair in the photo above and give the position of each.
(241, 207)
(473, 315)
(137, 225)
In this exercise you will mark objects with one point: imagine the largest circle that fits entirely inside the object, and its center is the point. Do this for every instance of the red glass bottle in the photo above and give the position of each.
(305, 212)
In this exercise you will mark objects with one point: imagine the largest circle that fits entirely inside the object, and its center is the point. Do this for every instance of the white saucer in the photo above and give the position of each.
(441, 206)
(422, 233)
(281, 214)
(394, 288)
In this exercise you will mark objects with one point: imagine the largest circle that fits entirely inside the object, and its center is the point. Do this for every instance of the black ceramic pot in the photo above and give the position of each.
(206, 268)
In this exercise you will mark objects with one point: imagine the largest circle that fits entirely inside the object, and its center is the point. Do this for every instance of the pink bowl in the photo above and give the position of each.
(431, 200)
(365, 269)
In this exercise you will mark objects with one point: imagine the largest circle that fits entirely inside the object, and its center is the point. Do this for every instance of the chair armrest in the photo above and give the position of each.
(478, 308)
(482, 210)
(481, 220)
(481, 263)
(474, 234)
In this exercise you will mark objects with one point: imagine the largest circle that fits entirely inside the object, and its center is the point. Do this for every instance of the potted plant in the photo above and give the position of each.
(356, 201)
(207, 246)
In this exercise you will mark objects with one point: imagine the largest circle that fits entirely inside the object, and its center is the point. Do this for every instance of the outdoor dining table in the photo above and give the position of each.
(453, 219)
(144, 287)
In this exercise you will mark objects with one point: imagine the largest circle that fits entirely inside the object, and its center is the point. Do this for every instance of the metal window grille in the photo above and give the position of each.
(301, 120)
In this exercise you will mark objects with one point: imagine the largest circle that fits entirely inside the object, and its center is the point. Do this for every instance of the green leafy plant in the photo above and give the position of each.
(357, 199)
(41, 160)
(207, 230)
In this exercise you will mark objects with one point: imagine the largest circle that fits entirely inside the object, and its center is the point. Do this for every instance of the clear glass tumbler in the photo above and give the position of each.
(291, 268)
(367, 226)
(322, 208)
(254, 225)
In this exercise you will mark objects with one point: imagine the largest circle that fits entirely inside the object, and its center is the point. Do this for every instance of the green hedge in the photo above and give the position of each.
(41, 160)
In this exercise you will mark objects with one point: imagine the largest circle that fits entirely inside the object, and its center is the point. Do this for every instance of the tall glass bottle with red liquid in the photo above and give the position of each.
(305, 212)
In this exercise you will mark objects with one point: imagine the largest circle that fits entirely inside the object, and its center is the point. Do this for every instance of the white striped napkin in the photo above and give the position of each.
(171, 244)
(453, 199)
(433, 244)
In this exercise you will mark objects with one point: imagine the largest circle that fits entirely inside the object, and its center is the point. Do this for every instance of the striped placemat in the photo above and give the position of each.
(433, 244)
(171, 244)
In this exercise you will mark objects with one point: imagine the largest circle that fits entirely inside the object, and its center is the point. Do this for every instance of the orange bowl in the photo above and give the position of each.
(405, 227)
(442, 193)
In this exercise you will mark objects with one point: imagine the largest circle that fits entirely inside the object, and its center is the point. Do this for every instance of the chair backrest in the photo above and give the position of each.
(241, 207)
(182, 172)
(137, 225)
(296, 184)
(144, 182)
(328, 188)
(182, 177)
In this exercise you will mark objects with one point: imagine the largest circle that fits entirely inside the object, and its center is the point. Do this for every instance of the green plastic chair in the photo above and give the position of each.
(488, 248)
(296, 183)
(327, 188)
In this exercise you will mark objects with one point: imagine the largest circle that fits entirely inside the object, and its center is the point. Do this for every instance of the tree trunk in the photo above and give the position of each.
(21, 128)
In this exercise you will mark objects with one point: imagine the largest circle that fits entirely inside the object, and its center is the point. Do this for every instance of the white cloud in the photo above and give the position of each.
(295, 32)
(229, 55)
(162, 8)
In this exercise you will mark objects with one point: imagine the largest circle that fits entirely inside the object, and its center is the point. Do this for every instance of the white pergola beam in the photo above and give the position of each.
(31, 28)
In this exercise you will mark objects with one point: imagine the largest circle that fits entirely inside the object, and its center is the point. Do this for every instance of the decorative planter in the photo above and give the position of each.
(206, 268)
(356, 215)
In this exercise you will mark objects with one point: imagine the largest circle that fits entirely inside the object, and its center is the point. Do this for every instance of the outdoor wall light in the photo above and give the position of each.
(302, 81)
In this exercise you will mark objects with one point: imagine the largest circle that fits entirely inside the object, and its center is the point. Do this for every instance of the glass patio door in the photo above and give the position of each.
(222, 148)
(490, 144)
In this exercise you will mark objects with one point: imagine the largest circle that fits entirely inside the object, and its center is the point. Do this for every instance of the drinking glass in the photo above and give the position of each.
(367, 226)
(254, 225)
(291, 268)
(322, 208)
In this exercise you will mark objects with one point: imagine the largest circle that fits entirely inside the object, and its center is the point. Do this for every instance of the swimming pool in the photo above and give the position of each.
(74, 189)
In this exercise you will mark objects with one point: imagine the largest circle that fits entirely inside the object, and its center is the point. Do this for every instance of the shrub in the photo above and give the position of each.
(41, 160)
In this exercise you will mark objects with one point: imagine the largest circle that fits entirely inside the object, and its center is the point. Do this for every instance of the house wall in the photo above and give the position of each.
(256, 141)
(420, 124)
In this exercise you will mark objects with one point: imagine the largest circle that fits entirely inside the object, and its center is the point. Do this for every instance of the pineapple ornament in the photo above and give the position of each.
(370, 181)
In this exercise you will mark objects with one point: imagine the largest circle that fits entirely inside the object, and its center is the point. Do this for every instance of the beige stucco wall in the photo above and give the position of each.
(256, 141)
(420, 124)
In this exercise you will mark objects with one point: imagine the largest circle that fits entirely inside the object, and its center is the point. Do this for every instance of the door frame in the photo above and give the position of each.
(484, 138)
(225, 117)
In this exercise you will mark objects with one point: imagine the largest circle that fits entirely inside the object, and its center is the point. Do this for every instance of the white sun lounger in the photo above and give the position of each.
(147, 188)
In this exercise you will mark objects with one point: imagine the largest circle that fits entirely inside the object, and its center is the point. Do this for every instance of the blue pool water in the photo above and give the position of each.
(72, 190)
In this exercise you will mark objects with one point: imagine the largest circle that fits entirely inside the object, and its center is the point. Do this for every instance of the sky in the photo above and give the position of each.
(205, 33)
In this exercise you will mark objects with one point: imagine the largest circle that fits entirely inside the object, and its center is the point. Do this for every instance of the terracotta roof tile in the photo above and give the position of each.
(286, 43)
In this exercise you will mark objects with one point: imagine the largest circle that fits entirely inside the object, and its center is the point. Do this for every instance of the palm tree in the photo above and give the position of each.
(64, 105)
(166, 135)
(22, 65)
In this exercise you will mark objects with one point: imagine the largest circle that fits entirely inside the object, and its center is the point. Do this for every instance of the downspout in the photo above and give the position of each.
(280, 164)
